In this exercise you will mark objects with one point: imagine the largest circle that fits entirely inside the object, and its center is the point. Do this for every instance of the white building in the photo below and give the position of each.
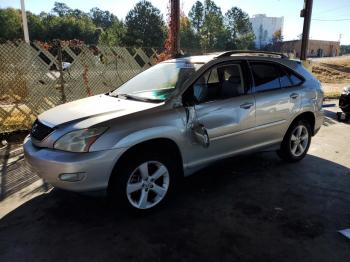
(264, 27)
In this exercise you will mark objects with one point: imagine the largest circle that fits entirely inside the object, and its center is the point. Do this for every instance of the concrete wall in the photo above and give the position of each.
(317, 48)
(269, 24)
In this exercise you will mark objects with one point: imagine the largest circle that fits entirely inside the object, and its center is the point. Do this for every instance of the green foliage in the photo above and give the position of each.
(205, 28)
(113, 35)
(214, 34)
(61, 9)
(345, 49)
(276, 44)
(144, 26)
(103, 19)
(240, 28)
(10, 24)
(189, 39)
(35, 26)
(70, 27)
(196, 15)
(277, 36)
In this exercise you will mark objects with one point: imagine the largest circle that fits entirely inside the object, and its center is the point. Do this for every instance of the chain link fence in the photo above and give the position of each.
(38, 76)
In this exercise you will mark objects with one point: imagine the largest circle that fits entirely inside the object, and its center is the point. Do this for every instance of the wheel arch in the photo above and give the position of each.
(165, 145)
(308, 116)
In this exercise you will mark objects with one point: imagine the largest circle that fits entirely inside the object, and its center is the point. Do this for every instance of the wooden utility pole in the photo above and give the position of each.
(306, 13)
(24, 22)
(175, 27)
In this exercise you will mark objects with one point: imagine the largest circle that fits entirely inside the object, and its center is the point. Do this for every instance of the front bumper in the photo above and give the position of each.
(95, 167)
(344, 103)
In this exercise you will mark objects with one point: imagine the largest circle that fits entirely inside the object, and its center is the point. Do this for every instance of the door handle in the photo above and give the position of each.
(246, 105)
(294, 95)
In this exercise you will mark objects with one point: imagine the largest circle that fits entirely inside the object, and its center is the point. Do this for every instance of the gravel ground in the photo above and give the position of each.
(248, 208)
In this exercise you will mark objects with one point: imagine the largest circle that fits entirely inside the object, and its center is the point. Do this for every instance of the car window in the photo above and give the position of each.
(285, 80)
(266, 76)
(269, 76)
(294, 79)
(213, 76)
(223, 81)
(158, 82)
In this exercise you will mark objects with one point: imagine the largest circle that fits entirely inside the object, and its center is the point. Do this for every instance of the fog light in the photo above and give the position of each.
(72, 177)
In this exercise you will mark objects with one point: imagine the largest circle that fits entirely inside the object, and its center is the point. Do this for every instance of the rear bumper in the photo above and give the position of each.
(94, 168)
(319, 120)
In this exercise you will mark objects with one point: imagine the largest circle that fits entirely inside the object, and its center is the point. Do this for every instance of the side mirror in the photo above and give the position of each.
(201, 135)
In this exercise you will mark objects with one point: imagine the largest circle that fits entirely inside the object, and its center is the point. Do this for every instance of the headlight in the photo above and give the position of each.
(80, 140)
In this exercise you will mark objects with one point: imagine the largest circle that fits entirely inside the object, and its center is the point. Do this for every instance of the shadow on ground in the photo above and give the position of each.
(331, 118)
(247, 208)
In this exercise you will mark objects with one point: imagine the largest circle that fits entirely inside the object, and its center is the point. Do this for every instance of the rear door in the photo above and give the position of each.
(278, 99)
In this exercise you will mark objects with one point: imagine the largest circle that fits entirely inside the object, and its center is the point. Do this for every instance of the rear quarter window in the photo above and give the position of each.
(266, 76)
(271, 76)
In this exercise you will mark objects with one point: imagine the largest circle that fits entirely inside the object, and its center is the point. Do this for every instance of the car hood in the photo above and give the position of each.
(95, 106)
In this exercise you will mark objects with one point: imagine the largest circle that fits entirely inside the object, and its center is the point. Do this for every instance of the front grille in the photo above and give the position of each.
(40, 131)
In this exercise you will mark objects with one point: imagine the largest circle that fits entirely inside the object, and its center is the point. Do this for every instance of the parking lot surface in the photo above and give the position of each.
(248, 208)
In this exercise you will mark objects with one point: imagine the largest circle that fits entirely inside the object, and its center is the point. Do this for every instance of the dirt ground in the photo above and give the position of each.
(333, 72)
(248, 208)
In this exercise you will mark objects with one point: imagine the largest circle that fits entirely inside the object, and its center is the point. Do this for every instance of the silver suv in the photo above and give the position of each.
(173, 119)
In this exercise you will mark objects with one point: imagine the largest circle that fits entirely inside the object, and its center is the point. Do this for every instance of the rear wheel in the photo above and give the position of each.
(144, 181)
(296, 142)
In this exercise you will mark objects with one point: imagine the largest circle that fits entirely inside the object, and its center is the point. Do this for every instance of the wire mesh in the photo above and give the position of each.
(38, 76)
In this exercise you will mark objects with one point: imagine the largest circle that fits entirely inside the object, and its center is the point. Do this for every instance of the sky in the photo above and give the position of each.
(333, 27)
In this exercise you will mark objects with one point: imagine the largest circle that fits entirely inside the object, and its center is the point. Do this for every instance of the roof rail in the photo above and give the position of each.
(259, 53)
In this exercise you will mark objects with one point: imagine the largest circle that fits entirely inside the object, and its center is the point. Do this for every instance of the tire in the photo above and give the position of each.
(143, 181)
(296, 142)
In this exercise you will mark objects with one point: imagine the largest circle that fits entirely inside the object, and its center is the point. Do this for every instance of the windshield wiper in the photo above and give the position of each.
(138, 98)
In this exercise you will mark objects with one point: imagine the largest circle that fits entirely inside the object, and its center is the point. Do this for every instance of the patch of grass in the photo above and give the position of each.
(332, 95)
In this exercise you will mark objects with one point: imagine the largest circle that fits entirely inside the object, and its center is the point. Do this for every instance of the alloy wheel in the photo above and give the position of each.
(148, 184)
(299, 140)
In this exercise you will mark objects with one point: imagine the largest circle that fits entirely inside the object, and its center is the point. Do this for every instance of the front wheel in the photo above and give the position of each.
(296, 142)
(143, 182)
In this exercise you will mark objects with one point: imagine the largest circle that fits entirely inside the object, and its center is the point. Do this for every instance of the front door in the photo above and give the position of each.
(223, 112)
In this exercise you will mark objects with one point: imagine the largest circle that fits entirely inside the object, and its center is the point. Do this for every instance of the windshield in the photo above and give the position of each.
(157, 83)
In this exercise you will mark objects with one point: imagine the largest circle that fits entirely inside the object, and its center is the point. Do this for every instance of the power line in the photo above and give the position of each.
(331, 20)
(333, 9)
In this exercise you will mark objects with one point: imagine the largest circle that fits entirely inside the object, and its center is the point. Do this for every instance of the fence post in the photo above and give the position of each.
(60, 69)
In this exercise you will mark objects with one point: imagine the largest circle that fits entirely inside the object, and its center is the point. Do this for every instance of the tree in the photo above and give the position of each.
(113, 35)
(265, 36)
(10, 24)
(277, 39)
(35, 27)
(213, 33)
(103, 19)
(261, 35)
(144, 26)
(240, 28)
(188, 38)
(196, 15)
(61, 9)
(345, 49)
(78, 13)
(70, 27)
